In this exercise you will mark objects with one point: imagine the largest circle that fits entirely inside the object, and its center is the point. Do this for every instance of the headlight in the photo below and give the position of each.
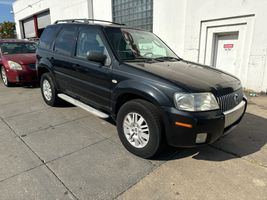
(14, 65)
(195, 101)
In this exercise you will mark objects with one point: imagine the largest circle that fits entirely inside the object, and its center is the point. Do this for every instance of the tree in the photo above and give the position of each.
(7, 30)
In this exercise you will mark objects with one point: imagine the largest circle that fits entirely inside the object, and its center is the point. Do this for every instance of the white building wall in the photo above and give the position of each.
(58, 10)
(169, 23)
(102, 9)
(67, 9)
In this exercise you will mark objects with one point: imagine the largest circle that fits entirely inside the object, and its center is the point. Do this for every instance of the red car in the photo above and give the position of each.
(17, 62)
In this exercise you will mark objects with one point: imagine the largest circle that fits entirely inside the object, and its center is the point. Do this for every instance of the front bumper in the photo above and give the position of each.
(22, 76)
(214, 123)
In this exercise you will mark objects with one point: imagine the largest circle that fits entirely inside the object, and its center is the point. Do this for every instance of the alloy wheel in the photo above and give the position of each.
(47, 91)
(136, 130)
(4, 76)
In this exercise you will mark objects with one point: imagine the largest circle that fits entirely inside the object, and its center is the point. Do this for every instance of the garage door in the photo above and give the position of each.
(43, 20)
(29, 29)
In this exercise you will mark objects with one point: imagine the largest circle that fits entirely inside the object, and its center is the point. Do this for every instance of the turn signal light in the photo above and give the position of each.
(183, 124)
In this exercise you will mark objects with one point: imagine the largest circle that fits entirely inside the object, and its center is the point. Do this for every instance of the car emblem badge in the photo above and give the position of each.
(236, 98)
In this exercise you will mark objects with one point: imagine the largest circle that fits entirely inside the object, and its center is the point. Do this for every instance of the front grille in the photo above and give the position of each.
(32, 66)
(229, 101)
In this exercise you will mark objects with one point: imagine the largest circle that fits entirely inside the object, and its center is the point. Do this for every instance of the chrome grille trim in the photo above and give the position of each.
(227, 102)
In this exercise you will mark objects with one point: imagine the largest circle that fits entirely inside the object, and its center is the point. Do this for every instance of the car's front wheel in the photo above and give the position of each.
(140, 128)
(4, 77)
(48, 90)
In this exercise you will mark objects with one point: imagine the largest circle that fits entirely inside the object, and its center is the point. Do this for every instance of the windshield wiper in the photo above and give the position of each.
(141, 59)
(168, 58)
(152, 60)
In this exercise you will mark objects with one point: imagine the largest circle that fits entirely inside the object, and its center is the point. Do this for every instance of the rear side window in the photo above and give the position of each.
(65, 41)
(47, 37)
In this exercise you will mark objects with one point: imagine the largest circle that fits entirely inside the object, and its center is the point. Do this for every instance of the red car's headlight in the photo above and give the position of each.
(13, 65)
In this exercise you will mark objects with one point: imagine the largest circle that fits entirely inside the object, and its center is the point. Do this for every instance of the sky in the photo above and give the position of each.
(5, 8)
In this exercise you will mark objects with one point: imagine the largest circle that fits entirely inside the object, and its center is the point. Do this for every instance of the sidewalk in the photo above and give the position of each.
(258, 106)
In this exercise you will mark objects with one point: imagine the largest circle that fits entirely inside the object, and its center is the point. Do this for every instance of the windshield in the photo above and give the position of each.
(17, 48)
(131, 44)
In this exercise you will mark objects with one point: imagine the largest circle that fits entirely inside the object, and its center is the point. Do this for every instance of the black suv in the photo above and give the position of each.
(132, 76)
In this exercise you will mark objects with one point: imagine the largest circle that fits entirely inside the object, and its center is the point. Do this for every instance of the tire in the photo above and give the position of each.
(138, 140)
(49, 91)
(4, 77)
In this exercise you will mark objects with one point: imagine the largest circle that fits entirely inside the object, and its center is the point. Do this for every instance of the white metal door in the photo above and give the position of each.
(226, 52)
(29, 29)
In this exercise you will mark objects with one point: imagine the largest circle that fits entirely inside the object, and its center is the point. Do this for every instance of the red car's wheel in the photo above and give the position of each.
(4, 77)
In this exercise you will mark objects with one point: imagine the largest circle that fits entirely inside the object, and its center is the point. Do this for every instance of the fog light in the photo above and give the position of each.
(201, 138)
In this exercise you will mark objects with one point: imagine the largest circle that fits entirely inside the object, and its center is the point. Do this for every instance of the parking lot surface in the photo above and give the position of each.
(67, 153)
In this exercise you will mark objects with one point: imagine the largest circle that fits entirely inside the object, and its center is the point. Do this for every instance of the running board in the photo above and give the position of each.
(83, 106)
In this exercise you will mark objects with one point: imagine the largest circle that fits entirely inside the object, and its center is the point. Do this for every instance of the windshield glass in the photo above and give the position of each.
(17, 48)
(131, 44)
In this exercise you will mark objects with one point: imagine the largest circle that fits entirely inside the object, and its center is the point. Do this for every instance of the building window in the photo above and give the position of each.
(134, 13)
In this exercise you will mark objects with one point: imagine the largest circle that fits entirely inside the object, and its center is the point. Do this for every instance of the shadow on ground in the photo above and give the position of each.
(25, 86)
(248, 138)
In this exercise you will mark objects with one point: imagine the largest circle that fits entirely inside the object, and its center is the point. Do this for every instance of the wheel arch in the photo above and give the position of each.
(42, 70)
(136, 90)
(43, 66)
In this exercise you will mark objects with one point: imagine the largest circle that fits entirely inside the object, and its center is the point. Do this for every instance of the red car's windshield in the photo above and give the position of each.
(17, 48)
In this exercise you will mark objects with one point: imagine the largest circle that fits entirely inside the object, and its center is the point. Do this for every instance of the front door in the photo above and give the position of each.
(92, 80)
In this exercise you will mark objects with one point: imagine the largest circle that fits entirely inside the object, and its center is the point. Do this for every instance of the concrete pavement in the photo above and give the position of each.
(66, 153)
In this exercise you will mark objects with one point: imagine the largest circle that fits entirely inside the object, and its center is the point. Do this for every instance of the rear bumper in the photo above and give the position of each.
(22, 76)
(214, 123)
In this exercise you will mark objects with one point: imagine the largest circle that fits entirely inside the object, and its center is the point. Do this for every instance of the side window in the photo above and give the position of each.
(65, 41)
(47, 37)
(89, 40)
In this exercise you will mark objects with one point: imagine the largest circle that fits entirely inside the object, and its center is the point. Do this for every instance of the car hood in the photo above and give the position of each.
(192, 77)
(21, 58)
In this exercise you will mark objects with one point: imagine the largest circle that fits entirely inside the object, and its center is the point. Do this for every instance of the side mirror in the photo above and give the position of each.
(97, 57)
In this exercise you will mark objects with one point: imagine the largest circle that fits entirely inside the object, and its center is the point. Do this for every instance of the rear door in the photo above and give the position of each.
(91, 80)
(64, 48)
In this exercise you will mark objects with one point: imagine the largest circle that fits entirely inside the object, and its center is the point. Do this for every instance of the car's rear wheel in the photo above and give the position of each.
(4, 77)
(48, 90)
(140, 128)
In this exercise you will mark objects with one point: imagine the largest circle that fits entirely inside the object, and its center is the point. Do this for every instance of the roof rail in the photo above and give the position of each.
(85, 21)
